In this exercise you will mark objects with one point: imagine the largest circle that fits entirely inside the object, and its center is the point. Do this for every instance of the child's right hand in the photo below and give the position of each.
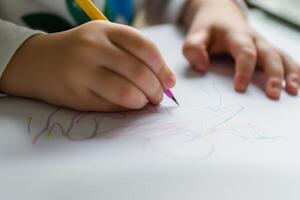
(99, 66)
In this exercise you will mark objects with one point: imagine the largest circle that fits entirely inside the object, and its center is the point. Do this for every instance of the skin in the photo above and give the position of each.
(102, 66)
(99, 66)
(218, 27)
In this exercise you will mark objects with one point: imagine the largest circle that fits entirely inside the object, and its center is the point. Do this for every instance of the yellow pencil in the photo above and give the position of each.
(91, 10)
(95, 14)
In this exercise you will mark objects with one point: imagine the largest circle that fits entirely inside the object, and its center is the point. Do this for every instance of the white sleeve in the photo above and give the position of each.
(11, 38)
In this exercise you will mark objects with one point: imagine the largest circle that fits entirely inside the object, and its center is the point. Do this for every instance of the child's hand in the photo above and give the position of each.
(218, 26)
(99, 66)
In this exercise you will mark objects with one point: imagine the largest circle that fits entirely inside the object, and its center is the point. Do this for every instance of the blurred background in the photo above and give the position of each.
(287, 10)
(284, 11)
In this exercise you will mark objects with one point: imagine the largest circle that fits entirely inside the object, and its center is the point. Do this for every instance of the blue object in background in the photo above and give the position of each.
(120, 11)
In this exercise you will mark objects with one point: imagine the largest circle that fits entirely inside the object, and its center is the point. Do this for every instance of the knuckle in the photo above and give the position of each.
(244, 76)
(293, 77)
(86, 40)
(145, 78)
(84, 46)
(277, 72)
(142, 43)
(158, 96)
(146, 44)
(280, 74)
(126, 93)
(95, 25)
(270, 51)
(140, 104)
(197, 41)
(188, 42)
(138, 40)
(249, 53)
(132, 98)
(189, 47)
(99, 22)
(140, 73)
(87, 36)
(276, 56)
(295, 69)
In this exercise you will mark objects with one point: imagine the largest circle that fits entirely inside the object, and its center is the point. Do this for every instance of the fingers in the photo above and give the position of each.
(135, 43)
(243, 50)
(98, 103)
(135, 71)
(292, 75)
(121, 92)
(83, 99)
(271, 62)
(91, 101)
(195, 50)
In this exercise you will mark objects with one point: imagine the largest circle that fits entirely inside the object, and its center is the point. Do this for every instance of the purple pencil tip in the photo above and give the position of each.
(168, 93)
(171, 96)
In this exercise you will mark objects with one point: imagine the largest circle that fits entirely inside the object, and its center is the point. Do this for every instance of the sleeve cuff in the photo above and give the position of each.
(11, 38)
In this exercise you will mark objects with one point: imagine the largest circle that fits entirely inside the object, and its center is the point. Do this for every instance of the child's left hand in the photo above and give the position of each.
(218, 26)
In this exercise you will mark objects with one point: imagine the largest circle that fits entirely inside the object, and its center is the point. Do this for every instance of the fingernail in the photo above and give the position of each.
(295, 85)
(171, 81)
(274, 93)
(241, 83)
(274, 89)
(293, 81)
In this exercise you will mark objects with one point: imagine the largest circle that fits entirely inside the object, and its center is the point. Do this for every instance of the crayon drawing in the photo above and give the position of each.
(158, 129)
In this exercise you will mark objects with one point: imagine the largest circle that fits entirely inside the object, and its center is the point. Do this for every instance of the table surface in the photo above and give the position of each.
(217, 145)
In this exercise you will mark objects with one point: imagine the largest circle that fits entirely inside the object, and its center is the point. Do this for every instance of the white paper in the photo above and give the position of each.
(218, 144)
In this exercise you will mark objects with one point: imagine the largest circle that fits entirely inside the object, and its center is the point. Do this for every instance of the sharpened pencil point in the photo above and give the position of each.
(174, 99)
(169, 94)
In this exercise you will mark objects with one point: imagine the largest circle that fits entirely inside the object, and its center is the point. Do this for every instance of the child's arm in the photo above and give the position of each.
(220, 26)
(99, 66)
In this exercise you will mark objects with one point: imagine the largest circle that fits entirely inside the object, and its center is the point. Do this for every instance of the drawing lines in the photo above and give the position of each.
(156, 128)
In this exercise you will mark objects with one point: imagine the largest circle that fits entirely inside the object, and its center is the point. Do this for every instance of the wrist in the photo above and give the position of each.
(14, 76)
(189, 11)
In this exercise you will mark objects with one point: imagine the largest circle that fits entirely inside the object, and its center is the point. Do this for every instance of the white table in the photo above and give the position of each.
(217, 145)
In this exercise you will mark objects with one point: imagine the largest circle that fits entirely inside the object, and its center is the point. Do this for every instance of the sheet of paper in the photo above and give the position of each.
(217, 144)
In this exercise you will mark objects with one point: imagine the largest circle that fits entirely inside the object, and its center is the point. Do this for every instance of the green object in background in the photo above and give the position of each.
(52, 23)
(115, 10)
(78, 15)
(46, 22)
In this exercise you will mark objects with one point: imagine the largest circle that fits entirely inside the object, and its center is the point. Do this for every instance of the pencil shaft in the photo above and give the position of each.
(91, 10)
